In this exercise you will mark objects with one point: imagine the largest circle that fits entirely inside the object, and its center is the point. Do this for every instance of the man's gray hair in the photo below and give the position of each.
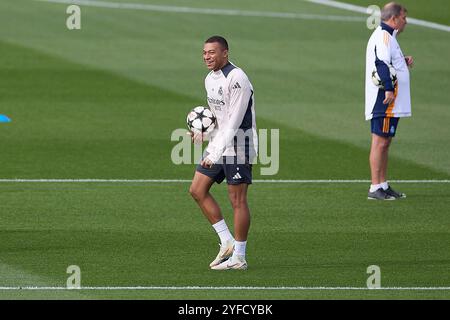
(392, 9)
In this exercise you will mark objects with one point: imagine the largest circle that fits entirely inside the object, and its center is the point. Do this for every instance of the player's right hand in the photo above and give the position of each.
(206, 163)
(389, 97)
(409, 61)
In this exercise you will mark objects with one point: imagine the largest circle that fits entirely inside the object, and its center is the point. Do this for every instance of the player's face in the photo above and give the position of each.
(400, 21)
(214, 55)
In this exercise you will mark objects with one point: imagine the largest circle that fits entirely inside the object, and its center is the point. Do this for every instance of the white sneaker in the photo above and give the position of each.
(236, 262)
(224, 254)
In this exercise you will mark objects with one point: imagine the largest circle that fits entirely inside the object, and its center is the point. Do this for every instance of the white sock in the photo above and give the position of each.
(374, 187)
(223, 231)
(384, 185)
(239, 248)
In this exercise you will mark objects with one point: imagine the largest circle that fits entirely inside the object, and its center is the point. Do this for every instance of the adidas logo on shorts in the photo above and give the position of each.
(237, 176)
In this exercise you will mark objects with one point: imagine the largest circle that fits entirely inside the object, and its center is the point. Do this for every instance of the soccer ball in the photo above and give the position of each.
(376, 78)
(201, 119)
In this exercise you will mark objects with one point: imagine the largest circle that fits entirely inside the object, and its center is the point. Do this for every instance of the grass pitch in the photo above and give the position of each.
(102, 102)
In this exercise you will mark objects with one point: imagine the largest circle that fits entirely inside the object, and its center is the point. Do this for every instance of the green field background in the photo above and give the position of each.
(432, 11)
(102, 102)
(308, 76)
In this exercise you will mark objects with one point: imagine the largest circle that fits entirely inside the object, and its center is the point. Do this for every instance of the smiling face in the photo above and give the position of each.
(214, 56)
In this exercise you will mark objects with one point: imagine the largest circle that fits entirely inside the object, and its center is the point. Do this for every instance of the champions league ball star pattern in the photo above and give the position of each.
(201, 119)
(377, 81)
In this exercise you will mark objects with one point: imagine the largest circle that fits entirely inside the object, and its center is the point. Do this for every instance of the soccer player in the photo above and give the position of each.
(230, 152)
(384, 107)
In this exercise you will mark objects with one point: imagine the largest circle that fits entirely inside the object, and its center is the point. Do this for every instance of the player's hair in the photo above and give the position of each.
(392, 9)
(220, 40)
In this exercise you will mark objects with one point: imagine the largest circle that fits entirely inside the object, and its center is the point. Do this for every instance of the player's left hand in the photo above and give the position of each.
(389, 97)
(197, 137)
(409, 61)
(206, 163)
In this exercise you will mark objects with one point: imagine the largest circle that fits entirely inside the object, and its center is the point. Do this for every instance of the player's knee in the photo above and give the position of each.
(238, 201)
(388, 142)
(239, 205)
(196, 193)
(383, 143)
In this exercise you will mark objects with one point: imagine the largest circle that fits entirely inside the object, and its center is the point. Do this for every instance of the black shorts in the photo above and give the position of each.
(384, 126)
(235, 173)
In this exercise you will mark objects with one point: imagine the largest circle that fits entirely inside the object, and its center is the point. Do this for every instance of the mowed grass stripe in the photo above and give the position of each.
(207, 11)
(97, 124)
(331, 181)
(135, 235)
(138, 288)
(245, 13)
(360, 9)
(110, 127)
(418, 9)
(308, 98)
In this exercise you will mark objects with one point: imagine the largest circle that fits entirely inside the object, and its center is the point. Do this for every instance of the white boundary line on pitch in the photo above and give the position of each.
(226, 288)
(247, 13)
(210, 11)
(355, 8)
(188, 181)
